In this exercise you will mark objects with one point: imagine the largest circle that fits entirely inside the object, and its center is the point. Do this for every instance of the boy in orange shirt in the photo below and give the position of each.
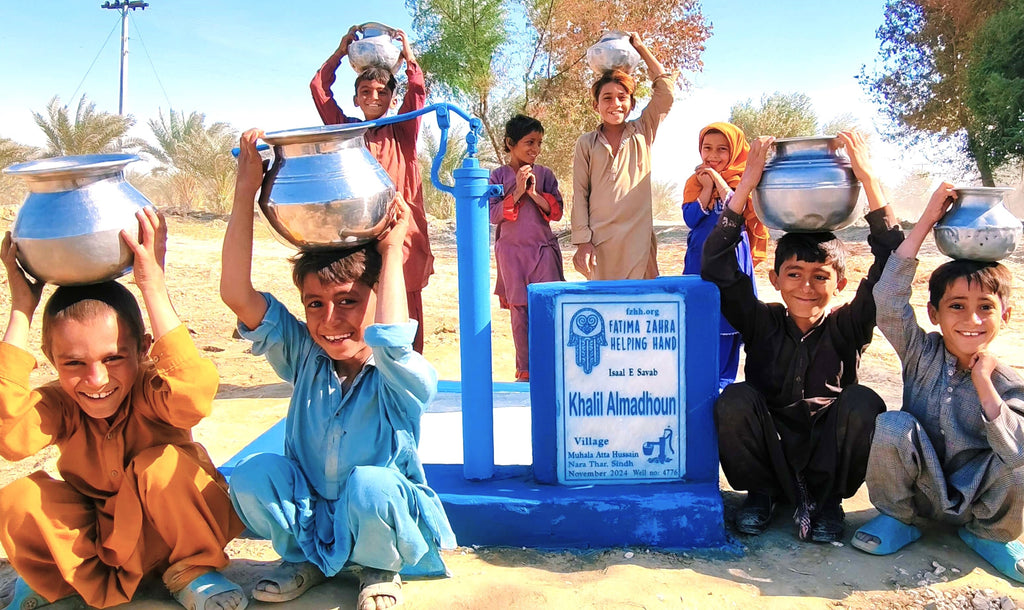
(138, 495)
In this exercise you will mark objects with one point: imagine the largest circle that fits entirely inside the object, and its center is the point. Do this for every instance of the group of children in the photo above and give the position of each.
(140, 497)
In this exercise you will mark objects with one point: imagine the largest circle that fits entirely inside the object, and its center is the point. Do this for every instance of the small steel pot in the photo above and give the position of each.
(68, 231)
(978, 226)
(324, 189)
(807, 187)
(376, 47)
(613, 52)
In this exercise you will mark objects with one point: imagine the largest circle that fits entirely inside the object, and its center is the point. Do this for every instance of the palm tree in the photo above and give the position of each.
(197, 158)
(12, 189)
(91, 132)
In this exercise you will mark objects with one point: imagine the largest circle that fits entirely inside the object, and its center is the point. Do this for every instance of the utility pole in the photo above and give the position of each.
(124, 8)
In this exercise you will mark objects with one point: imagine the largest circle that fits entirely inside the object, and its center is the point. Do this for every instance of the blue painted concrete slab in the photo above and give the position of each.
(512, 509)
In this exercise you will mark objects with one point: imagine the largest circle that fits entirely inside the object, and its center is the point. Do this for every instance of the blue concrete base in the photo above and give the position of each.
(514, 510)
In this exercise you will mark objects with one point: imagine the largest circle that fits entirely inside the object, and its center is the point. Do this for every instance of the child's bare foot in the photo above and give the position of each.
(212, 591)
(379, 589)
(287, 581)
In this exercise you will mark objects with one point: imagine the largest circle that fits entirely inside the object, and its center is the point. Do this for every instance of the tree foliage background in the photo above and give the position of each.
(995, 86)
(920, 81)
(785, 115)
(500, 57)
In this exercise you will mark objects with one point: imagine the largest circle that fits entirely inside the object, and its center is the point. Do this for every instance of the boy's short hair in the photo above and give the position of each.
(360, 264)
(992, 277)
(615, 76)
(520, 126)
(821, 247)
(83, 302)
(374, 73)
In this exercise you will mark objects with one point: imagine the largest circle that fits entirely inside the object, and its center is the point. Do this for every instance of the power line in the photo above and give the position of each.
(145, 50)
(82, 82)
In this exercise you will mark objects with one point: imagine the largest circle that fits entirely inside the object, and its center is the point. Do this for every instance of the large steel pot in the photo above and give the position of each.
(68, 231)
(324, 189)
(613, 52)
(978, 226)
(375, 48)
(807, 186)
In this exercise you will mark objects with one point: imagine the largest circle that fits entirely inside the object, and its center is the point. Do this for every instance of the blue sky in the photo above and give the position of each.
(249, 63)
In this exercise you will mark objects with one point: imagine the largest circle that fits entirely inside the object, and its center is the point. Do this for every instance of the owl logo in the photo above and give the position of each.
(586, 334)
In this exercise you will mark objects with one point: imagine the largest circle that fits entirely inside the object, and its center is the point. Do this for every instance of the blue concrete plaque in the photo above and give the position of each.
(618, 374)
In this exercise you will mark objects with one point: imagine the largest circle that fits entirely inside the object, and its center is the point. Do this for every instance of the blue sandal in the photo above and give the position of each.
(201, 589)
(1002, 555)
(25, 598)
(892, 535)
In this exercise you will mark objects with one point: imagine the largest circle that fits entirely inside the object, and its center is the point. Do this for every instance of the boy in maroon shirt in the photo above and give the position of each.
(394, 146)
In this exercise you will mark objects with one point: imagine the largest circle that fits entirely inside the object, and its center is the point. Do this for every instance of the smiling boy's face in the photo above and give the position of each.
(336, 316)
(807, 289)
(97, 360)
(969, 317)
(374, 98)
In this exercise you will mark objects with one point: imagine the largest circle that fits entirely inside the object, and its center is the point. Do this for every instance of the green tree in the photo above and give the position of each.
(459, 40)
(195, 158)
(783, 115)
(89, 132)
(995, 86)
(920, 83)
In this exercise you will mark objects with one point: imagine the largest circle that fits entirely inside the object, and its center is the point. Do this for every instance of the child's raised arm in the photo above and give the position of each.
(149, 272)
(392, 305)
(937, 206)
(25, 295)
(654, 67)
(752, 174)
(236, 288)
(860, 159)
(410, 57)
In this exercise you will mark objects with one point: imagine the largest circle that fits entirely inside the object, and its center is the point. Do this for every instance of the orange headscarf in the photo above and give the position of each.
(738, 149)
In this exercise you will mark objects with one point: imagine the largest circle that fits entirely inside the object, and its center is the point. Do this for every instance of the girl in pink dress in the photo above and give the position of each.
(525, 249)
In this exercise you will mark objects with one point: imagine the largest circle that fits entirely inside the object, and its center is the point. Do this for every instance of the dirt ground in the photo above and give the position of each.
(774, 570)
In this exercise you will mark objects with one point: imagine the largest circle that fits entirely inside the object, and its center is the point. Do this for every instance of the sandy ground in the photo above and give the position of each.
(774, 570)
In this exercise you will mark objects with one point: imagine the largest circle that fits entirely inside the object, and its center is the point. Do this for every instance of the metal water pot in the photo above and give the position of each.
(376, 48)
(68, 231)
(807, 186)
(613, 52)
(978, 226)
(324, 189)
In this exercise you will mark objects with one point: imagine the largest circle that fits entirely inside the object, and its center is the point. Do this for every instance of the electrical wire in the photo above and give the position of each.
(81, 82)
(170, 106)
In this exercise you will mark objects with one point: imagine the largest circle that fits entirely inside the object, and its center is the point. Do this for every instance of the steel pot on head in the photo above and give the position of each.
(807, 187)
(68, 231)
(376, 48)
(978, 226)
(324, 190)
(613, 52)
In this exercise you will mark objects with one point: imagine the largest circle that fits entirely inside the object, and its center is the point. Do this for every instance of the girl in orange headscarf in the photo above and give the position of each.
(723, 152)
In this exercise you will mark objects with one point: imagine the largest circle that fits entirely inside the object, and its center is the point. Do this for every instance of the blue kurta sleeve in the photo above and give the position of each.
(408, 381)
(281, 337)
(694, 214)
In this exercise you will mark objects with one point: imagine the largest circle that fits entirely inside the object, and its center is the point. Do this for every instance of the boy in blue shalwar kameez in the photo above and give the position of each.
(350, 488)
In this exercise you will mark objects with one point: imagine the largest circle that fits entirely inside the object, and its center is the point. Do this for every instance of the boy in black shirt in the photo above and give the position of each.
(800, 425)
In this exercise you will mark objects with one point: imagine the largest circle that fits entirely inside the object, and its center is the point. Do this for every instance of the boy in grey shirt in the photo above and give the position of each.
(955, 453)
